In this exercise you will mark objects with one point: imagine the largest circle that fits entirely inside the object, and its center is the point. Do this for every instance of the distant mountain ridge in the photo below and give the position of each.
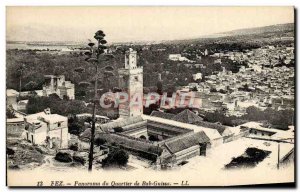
(287, 27)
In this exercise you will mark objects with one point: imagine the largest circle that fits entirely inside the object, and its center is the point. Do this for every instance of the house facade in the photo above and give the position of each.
(47, 129)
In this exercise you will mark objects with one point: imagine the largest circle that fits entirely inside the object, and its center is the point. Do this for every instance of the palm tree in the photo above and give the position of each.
(97, 56)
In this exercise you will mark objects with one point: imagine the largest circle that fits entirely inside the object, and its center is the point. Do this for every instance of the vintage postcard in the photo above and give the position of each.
(150, 96)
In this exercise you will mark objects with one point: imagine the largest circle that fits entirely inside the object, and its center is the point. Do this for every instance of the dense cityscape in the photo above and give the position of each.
(244, 86)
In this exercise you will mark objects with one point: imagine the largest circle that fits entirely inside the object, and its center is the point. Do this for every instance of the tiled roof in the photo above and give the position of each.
(211, 133)
(131, 143)
(120, 123)
(186, 142)
(187, 116)
(162, 114)
(219, 128)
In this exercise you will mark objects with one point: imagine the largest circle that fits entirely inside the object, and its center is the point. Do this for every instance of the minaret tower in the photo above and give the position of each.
(131, 82)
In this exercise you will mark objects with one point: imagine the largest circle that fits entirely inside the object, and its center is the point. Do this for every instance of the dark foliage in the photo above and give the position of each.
(100, 141)
(10, 113)
(63, 157)
(75, 126)
(250, 158)
(79, 159)
(117, 157)
(57, 105)
(74, 147)
(277, 119)
(9, 151)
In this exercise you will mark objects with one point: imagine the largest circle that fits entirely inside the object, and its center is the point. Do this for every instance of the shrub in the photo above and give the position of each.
(74, 147)
(100, 141)
(250, 158)
(117, 157)
(63, 157)
(10, 113)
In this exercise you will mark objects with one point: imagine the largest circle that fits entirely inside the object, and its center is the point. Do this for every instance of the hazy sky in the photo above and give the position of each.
(136, 23)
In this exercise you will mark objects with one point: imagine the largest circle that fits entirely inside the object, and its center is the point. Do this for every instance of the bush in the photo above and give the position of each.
(10, 113)
(63, 157)
(117, 157)
(250, 158)
(276, 119)
(99, 141)
(75, 125)
(10, 151)
(79, 159)
(57, 106)
(74, 147)
(213, 90)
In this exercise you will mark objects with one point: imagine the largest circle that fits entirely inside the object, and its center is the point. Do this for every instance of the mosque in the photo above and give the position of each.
(162, 138)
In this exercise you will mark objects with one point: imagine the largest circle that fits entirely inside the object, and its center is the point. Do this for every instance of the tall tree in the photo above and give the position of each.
(20, 74)
(98, 58)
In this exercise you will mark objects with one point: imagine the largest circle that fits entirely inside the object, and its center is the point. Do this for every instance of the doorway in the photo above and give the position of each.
(203, 147)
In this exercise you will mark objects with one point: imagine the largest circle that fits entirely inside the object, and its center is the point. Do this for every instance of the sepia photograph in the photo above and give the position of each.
(157, 96)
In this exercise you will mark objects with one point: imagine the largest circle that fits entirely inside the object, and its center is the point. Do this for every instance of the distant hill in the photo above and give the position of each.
(257, 33)
(287, 27)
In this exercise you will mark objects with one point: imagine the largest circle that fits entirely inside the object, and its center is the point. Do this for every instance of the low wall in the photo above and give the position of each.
(14, 129)
(235, 137)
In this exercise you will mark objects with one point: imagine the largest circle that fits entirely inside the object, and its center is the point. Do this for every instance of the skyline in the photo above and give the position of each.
(136, 23)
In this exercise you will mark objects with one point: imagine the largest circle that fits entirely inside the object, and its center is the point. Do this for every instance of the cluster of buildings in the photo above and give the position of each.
(168, 139)
(265, 82)
(179, 57)
(266, 56)
(162, 138)
(58, 85)
(53, 85)
(42, 128)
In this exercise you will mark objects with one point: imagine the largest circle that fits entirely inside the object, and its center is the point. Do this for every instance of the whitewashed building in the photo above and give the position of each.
(197, 76)
(178, 57)
(47, 129)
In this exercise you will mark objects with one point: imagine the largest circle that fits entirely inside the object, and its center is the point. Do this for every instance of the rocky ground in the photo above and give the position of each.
(23, 155)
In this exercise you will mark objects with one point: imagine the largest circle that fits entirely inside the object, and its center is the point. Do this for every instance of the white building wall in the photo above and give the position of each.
(40, 136)
(216, 142)
(188, 153)
(71, 93)
(61, 134)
